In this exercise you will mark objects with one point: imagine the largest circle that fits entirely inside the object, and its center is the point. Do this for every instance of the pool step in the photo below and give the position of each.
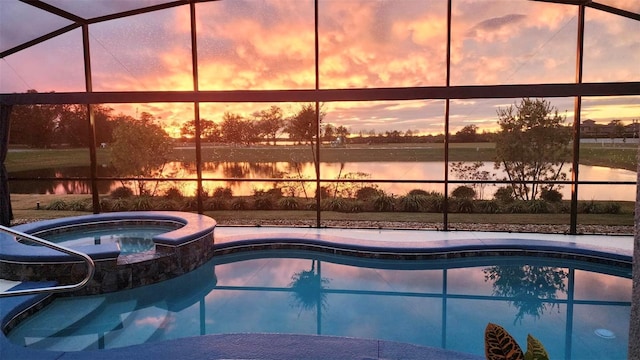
(60, 314)
(62, 328)
(138, 326)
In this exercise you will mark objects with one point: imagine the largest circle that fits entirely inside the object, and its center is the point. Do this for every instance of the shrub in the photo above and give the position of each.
(57, 205)
(552, 196)
(215, 203)
(275, 193)
(504, 195)
(461, 205)
(415, 192)
(121, 192)
(334, 204)
(168, 204)
(324, 192)
(173, 193)
(355, 206)
(239, 204)
(611, 208)
(413, 203)
(190, 204)
(105, 204)
(563, 208)
(120, 204)
(383, 202)
(142, 203)
(589, 207)
(463, 192)
(516, 207)
(310, 205)
(538, 207)
(288, 203)
(204, 194)
(263, 202)
(80, 205)
(224, 193)
(434, 202)
(368, 193)
(488, 207)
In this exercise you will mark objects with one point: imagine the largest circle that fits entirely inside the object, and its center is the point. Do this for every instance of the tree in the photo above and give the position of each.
(73, 126)
(528, 286)
(209, 130)
(302, 127)
(34, 125)
(472, 171)
(232, 128)
(329, 132)
(467, 134)
(140, 149)
(270, 122)
(342, 132)
(532, 146)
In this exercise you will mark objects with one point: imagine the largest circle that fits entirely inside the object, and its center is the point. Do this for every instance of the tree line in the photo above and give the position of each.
(45, 126)
(532, 143)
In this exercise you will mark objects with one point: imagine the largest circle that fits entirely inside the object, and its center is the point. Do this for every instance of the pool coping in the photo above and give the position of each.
(442, 245)
(193, 227)
(175, 252)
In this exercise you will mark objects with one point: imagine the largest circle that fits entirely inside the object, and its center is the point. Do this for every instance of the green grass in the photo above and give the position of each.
(25, 209)
(25, 160)
(623, 157)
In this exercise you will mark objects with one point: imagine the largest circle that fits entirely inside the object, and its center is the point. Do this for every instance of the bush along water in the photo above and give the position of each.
(368, 199)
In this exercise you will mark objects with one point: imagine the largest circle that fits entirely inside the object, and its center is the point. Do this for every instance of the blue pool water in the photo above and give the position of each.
(131, 238)
(577, 310)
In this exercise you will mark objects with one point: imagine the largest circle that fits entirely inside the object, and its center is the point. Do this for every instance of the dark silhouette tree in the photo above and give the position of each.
(232, 128)
(329, 132)
(302, 127)
(34, 125)
(209, 130)
(467, 134)
(269, 123)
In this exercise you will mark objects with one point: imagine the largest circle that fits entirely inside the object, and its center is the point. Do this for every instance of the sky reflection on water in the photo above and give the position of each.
(427, 303)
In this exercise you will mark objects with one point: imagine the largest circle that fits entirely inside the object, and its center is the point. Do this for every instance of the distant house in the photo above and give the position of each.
(614, 129)
(589, 128)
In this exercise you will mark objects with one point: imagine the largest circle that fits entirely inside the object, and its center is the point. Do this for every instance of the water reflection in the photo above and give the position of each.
(530, 287)
(430, 171)
(308, 288)
(410, 301)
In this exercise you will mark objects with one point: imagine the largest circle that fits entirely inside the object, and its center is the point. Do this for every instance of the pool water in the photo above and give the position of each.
(567, 305)
(131, 238)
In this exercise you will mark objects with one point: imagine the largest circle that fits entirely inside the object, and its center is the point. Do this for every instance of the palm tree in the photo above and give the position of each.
(308, 291)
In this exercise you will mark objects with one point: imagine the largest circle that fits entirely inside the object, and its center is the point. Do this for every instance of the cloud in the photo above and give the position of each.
(495, 24)
(270, 45)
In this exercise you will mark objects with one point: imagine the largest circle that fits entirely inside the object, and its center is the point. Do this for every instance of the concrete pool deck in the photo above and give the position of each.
(274, 346)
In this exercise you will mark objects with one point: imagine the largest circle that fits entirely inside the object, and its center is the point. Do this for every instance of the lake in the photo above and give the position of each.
(403, 171)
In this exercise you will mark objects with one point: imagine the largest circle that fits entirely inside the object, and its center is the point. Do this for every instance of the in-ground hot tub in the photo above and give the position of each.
(180, 242)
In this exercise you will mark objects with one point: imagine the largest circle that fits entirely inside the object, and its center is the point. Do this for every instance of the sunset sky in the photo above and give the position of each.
(260, 44)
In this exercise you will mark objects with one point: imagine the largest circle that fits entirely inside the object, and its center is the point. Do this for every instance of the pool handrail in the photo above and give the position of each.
(91, 268)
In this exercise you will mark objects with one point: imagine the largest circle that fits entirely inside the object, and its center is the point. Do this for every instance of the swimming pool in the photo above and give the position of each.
(130, 238)
(577, 309)
(129, 249)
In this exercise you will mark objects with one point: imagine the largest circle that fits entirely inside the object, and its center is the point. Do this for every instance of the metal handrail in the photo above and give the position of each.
(91, 267)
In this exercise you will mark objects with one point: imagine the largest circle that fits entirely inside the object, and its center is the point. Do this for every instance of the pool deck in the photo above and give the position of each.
(275, 346)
